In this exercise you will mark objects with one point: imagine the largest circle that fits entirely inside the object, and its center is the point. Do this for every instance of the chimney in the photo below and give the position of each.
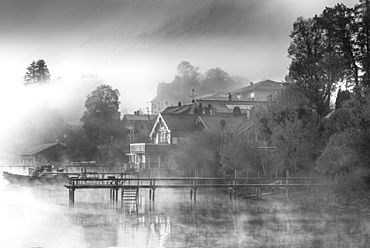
(251, 83)
(229, 95)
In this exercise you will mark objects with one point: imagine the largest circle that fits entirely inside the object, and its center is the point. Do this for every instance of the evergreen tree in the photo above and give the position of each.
(37, 72)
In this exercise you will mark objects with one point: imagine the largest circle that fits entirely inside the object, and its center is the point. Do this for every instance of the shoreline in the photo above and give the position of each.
(325, 201)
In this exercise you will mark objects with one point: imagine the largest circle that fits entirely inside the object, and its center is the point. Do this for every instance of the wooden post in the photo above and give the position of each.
(195, 189)
(258, 193)
(287, 184)
(235, 185)
(72, 195)
(153, 190)
(191, 194)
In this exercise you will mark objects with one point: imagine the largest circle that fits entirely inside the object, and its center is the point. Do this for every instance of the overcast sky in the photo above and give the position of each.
(133, 44)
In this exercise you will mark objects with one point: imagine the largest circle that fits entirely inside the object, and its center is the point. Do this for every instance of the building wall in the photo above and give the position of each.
(264, 95)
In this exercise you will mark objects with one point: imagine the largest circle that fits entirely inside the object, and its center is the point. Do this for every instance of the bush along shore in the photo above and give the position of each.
(325, 199)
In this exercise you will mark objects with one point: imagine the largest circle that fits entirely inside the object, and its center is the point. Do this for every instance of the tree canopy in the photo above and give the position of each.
(101, 120)
(37, 72)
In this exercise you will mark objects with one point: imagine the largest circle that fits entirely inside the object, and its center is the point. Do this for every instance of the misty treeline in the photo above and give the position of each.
(88, 101)
(189, 83)
(37, 72)
(313, 130)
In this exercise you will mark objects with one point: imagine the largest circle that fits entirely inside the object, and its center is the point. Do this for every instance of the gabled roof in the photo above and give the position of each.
(40, 148)
(226, 106)
(178, 109)
(266, 84)
(232, 124)
(213, 96)
(179, 121)
(175, 121)
(133, 117)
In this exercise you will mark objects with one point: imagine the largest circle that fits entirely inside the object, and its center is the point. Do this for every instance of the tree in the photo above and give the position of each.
(218, 80)
(101, 120)
(340, 23)
(363, 17)
(37, 72)
(316, 66)
(186, 79)
(187, 72)
(290, 125)
(199, 152)
(236, 153)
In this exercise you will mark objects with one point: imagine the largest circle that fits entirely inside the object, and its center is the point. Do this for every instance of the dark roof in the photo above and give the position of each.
(132, 117)
(226, 106)
(39, 148)
(179, 121)
(266, 84)
(232, 123)
(213, 96)
(178, 109)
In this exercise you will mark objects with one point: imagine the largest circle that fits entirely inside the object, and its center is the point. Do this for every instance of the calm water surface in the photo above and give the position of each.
(42, 217)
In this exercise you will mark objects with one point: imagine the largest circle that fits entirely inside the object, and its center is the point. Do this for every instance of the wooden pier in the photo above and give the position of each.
(130, 186)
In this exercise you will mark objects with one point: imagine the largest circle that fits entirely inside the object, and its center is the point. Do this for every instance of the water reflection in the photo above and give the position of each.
(41, 217)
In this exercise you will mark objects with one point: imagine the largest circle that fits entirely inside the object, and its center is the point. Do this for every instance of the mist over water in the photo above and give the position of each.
(42, 217)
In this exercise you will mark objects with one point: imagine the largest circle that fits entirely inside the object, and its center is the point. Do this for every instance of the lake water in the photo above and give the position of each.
(42, 217)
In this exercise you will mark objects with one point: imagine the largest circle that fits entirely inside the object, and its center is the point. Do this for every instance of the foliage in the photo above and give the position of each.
(217, 80)
(37, 72)
(188, 82)
(199, 152)
(112, 155)
(347, 154)
(316, 67)
(101, 120)
(290, 125)
(236, 153)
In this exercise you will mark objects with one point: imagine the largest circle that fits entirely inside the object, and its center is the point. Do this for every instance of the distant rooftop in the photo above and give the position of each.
(39, 148)
(262, 84)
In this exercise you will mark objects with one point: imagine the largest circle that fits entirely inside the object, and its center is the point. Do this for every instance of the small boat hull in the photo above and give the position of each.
(57, 179)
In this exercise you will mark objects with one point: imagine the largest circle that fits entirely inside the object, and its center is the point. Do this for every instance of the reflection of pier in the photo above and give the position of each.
(130, 186)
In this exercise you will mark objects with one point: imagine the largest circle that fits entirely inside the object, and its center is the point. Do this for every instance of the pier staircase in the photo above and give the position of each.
(130, 194)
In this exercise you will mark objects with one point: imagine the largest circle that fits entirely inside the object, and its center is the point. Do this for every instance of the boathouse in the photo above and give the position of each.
(52, 153)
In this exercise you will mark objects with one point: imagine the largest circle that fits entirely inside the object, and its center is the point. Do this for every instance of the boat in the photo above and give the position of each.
(42, 175)
(28, 180)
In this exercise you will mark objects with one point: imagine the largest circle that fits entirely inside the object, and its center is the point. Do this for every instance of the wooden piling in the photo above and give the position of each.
(72, 195)
(258, 193)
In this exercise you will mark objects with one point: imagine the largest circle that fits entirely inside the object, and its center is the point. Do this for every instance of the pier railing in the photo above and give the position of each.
(193, 183)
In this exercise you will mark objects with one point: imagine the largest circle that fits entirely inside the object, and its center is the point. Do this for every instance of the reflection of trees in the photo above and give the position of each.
(211, 224)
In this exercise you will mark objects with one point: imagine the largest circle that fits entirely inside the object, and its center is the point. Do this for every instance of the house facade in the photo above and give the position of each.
(266, 90)
(138, 126)
(168, 131)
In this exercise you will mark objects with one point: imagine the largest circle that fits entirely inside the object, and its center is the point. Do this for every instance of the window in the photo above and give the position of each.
(142, 126)
(162, 136)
